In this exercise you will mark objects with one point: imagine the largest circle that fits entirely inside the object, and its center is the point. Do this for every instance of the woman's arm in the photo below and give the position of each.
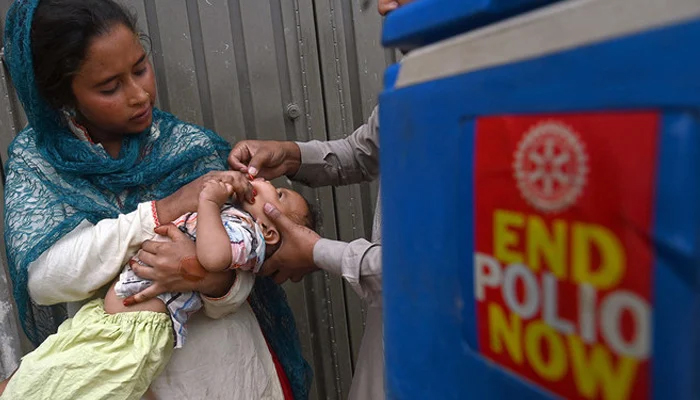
(220, 307)
(89, 257)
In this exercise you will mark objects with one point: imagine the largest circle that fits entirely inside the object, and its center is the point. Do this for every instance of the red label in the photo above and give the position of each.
(563, 265)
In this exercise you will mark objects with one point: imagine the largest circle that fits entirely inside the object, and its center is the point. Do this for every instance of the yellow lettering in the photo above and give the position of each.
(542, 245)
(504, 236)
(554, 367)
(597, 371)
(505, 332)
(612, 256)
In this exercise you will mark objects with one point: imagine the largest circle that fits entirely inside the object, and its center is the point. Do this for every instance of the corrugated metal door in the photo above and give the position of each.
(277, 69)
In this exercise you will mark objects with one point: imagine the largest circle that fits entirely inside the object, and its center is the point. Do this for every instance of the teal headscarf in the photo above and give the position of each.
(55, 181)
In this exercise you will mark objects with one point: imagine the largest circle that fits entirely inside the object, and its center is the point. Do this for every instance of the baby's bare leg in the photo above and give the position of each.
(114, 304)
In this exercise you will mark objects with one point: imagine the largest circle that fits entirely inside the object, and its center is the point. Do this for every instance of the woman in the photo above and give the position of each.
(91, 176)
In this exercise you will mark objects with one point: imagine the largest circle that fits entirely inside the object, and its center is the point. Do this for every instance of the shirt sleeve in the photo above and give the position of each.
(358, 262)
(228, 304)
(353, 159)
(89, 257)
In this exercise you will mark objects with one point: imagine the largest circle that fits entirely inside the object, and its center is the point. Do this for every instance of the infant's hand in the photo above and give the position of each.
(216, 191)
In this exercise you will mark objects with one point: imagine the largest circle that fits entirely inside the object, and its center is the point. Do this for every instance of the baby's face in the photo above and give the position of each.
(287, 201)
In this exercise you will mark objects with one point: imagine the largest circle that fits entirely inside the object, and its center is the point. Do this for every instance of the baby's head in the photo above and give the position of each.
(287, 201)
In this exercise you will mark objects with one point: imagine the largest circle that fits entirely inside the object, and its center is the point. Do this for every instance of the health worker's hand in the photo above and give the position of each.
(295, 257)
(265, 158)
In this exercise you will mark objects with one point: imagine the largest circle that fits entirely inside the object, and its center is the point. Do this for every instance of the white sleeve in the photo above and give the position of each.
(89, 257)
(220, 307)
(353, 159)
(358, 262)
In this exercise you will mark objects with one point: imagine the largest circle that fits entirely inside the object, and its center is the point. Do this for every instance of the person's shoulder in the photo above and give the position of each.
(24, 143)
(25, 159)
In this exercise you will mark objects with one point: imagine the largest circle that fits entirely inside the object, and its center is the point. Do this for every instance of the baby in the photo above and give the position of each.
(228, 238)
(131, 345)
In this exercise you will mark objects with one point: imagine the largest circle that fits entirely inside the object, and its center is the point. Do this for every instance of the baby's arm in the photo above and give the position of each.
(213, 244)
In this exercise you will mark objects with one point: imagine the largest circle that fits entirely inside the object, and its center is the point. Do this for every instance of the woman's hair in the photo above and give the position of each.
(62, 30)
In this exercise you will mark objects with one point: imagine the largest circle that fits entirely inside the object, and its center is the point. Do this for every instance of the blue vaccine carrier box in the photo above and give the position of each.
(541, 200)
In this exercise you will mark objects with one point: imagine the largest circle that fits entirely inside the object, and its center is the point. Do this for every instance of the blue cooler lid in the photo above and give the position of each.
(427, 21)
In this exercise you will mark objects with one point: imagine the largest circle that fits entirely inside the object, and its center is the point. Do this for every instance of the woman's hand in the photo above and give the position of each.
(265, 158)
(187, 197)
(166, 264)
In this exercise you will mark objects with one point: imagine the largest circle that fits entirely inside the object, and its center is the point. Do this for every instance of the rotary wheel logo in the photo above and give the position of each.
(550, 167)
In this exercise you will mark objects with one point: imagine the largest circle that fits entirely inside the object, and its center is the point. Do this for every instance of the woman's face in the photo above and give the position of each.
(115, 87)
